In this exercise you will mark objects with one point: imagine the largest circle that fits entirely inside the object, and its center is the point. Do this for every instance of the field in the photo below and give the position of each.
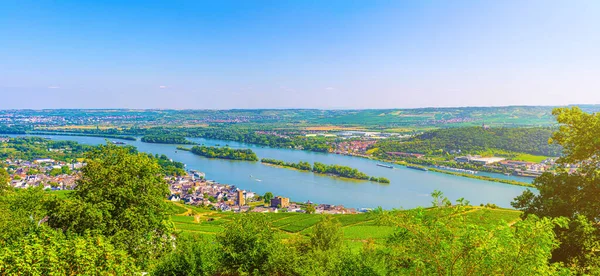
(530, 158)
(357, 229)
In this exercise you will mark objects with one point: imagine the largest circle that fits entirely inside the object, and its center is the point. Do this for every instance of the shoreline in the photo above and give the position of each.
(402, 163)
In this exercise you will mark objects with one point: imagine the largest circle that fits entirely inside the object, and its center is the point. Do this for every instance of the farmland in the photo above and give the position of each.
(357, 229)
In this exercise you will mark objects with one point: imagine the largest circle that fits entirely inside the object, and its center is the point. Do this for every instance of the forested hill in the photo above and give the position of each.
(476, 139)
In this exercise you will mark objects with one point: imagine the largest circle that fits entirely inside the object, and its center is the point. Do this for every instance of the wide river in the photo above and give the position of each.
(408, 188)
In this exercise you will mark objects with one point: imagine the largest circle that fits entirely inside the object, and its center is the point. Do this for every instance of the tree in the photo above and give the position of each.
(442, 241)
(327, 234)
(120, 195)
(49, 252)
(578, 135)
(267, 197)
(574, 195)
(193, 256)
(4, 179)
(310, 209)
(249, 245)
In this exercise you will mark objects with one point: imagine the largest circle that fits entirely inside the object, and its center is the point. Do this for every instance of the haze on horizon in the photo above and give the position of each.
(298, 54)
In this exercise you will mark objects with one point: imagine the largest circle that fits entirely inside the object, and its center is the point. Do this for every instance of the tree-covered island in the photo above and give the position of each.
(166, 139)
(335, 170)
(224, 153)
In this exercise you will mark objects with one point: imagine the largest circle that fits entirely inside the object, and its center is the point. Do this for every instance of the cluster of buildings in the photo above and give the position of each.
(406, 154)
(476, 159)
(195, 190)
(521, 168)
(25, 174)
(353, 147)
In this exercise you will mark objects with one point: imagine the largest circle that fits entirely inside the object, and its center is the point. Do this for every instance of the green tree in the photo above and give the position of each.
(310, 209)
(193, 256)
(120, 195)
(249, 245)
(442, 241)
(578, 135)
(49, 252)
(574, 195)
(327, 234)
(267, 197)
(65, 170)
(4, 179)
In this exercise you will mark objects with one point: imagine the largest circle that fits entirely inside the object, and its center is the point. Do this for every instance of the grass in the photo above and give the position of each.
(360, 232)
(530, 158)
(299, 225)
(62, 194)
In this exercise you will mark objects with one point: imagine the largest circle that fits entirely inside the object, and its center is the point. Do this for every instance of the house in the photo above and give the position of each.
(174, 198)
(43, 160)
(280, 202)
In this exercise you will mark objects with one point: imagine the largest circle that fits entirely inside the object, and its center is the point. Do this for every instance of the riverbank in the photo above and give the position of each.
(411, 188)
(129, 138)
(433, 169)
(403, 163)
(487, 178)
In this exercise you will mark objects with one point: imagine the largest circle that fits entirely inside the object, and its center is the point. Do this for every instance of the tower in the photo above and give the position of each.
(241, 200)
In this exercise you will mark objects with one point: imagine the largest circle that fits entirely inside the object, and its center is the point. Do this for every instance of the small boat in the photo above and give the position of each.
(251, 176)
(258, 180)
(118, 143)
(417, 168)
(385, 166)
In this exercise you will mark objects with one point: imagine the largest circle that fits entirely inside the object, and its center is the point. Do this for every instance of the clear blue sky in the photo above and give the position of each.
(304, 54)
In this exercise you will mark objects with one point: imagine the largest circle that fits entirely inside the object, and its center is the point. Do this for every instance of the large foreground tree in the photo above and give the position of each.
(573, 191)
(120, 195)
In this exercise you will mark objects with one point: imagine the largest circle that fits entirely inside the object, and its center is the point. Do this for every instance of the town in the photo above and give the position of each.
(192, 189)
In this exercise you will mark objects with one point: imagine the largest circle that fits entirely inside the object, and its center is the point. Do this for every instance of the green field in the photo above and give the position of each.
(357, 229)
(530, 158)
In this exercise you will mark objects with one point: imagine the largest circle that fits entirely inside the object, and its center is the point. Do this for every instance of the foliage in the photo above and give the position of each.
(338, 170)
(119, 195)
(440, 241)
(169, 167)
(166, 139)
(31, 148)
(475, 140)
(193, 256)
(225, 153)
(572, 194)
(250, 246)
(4, 179)
(578, 134)
(48, 252)
(267, 197)
(302, 165)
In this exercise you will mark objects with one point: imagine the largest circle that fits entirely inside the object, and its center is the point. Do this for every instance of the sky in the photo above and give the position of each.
(298, 54)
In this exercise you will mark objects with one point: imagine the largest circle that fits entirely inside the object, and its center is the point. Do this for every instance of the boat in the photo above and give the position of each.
(118, 143)
(417, 168)
(258, 180)
(385, 166)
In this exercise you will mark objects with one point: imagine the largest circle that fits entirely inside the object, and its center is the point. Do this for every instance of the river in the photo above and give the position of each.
(408, 188)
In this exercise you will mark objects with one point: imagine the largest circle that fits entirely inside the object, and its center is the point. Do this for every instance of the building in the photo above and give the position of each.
(241, 199)
(478, 159)
(280, 202)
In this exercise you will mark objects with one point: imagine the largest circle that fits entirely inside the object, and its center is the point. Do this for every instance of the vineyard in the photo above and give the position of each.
(357, 229)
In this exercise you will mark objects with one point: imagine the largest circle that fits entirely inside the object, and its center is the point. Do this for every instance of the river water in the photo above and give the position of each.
(409, 188)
